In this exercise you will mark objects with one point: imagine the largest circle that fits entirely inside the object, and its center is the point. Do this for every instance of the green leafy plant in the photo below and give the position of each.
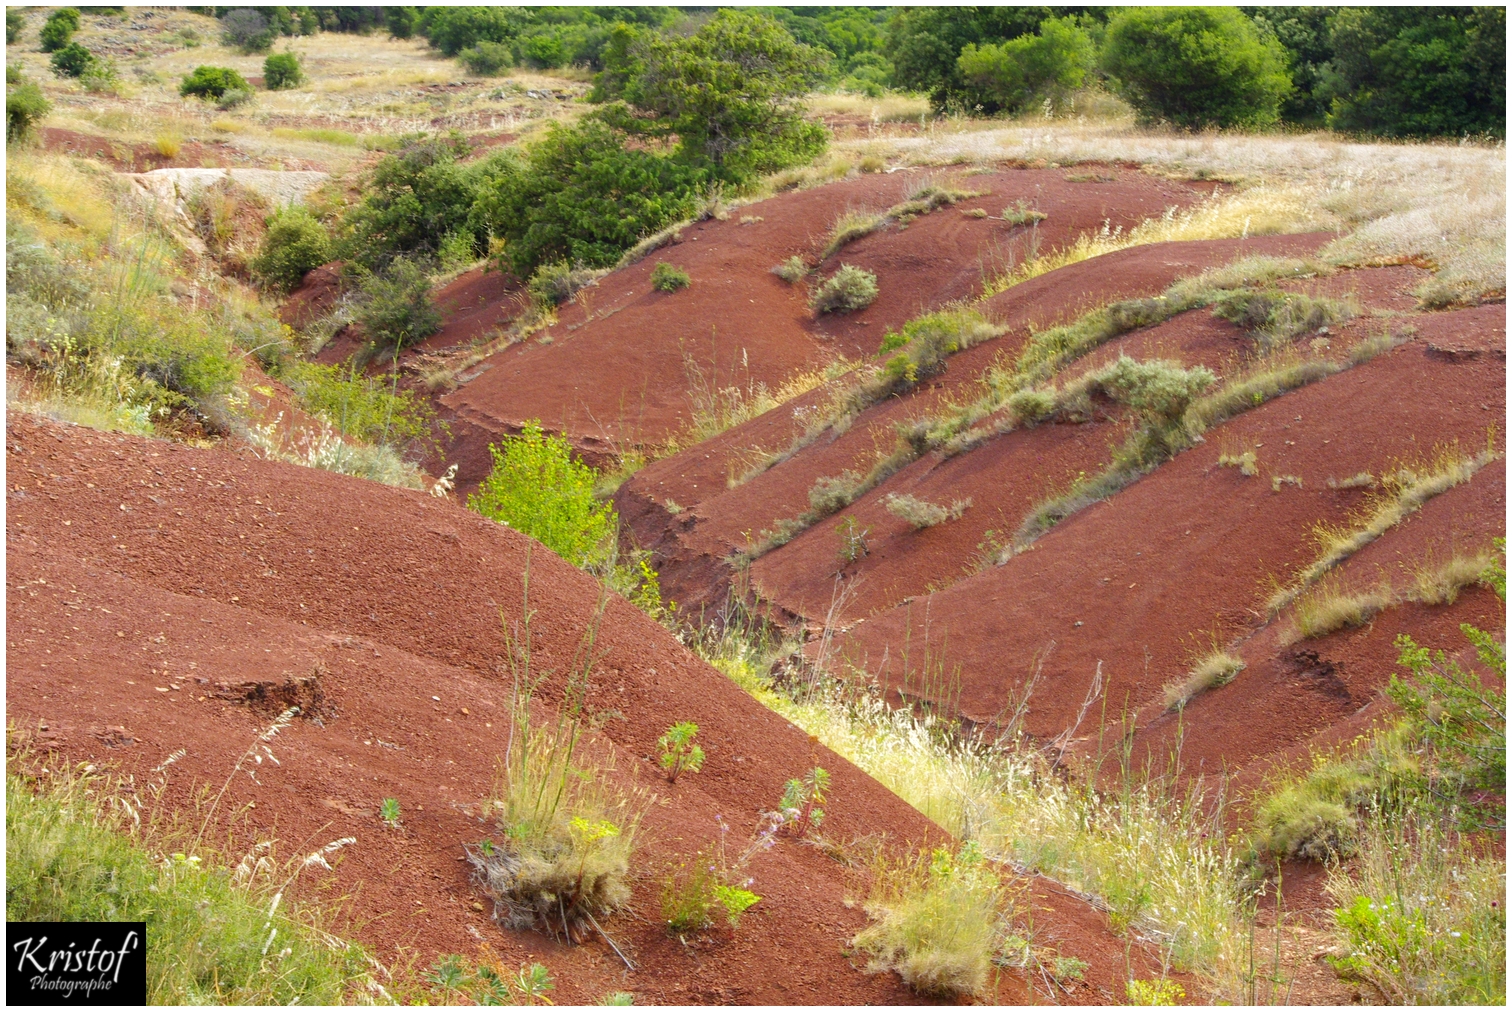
(1047, 65)
(72, 60)
(14, 23)
(667, 277)
(396, 309)
(487, 59)
(852, 540)
(212, 83)
(680, 753)
(537, 487)
(1020, 213)
(389, 812)
(488, 982)
(801, 798)
(282, 71)
(247, 29)
(1159, 991)
(25, 105)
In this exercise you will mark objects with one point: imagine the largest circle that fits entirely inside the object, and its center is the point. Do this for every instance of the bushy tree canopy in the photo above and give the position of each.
(730, 93)
(1050, 63)
(925, 45)
(1419, 71)
(1196, 66)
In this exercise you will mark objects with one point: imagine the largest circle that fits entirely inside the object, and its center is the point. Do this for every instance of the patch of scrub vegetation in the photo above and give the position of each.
(847, 290)
(80, 847)
(567, 831)
(920, 513)
(923, 198)
(939, 920)
(1214, 669)
(1148, 849)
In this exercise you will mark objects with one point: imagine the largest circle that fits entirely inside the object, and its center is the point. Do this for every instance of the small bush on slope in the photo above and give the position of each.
(848, 289)
(281, 71)
(539, 488)
(24, 106)
(212, 83)
(396, 309)
(295, 244)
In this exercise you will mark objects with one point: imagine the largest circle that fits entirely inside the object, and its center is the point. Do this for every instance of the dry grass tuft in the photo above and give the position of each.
(1217, 668)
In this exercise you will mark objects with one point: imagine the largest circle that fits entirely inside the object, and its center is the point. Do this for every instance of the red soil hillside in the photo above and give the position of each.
(1140, 582)
(715, 519)
(161, 597)
(615, 371)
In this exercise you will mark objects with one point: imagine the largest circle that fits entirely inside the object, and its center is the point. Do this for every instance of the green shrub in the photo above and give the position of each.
(396, 309)
(1196, 66)
(554, 284)
(101, 76)
(416, 198)
(24, 107)
(362, 407)
(401, 22)
(1159, 390)
(1418, 72)
(73, 856)
(925, 44)
(247, 30)
(792, 270)
(1047, 65)
(539, 488)
(295, 244)
(832, 494)
(453, 29)
(234, 98)
(667, 277)
(212, 83)
(58, 29)
(1031, 406)
(72, 60)
(282, 70)
(848, 289)
(487, 59)
(14, 23)
(921, 513)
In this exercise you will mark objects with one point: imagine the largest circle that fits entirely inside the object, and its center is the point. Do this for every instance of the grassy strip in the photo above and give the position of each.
(76, 851)
(923, 199)
(1153, 856)
(1403, 491)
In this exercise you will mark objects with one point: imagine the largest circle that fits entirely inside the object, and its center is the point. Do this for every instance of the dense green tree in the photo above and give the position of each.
(248, 30)
(925, 44)
(579, 195)
(401, 22)
(1304, 32)
(1196, 66)
(212, 82)
(282, 70)
(730, 93)
(1049, 64)
(1419, 71)
(14, 22)
(72, 60)
(24, 106)
(416, 198)
(59, 28)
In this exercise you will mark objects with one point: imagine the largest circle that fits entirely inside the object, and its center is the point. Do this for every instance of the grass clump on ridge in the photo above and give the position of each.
(1402, 491)
(847, 290)
(667, 277)
(922, 199)
(1215, 669)
(920, 513)
(937, 920)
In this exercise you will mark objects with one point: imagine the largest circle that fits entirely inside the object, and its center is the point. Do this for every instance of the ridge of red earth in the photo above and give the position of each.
(1005, 477)
(614, 372)
(1133, 585)
(161, 597)
(714, 520)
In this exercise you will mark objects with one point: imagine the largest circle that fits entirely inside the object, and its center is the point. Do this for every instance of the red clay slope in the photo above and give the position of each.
(715, 519)
(161, 597)
(1135, 583)
(621, 378)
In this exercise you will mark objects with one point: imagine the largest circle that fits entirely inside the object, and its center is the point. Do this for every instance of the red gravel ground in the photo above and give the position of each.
(1135, 583)
(715, 519)
(623, 378)
(161, 597)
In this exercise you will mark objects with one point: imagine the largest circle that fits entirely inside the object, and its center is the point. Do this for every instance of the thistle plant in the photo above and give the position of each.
(679, 752)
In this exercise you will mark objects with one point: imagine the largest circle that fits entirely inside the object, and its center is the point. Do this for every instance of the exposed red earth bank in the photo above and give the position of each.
(162, 598)
(617, 370)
